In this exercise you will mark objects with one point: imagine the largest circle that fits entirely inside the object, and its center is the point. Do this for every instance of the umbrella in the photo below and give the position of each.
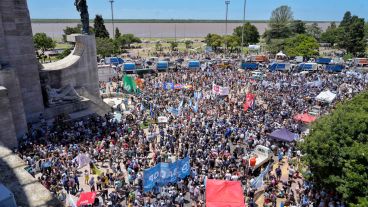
(306, 118)
(86, 198)
(283, 135)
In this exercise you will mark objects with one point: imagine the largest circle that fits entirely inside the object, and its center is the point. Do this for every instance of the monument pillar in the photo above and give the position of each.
(18, 53)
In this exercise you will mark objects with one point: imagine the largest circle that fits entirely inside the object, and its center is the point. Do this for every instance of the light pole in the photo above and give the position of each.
(227, 2)
(112, 18)
(242, 42)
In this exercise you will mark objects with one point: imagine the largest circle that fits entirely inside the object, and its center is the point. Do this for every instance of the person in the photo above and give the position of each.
(86, 177)
(92, 184)
(278, 172)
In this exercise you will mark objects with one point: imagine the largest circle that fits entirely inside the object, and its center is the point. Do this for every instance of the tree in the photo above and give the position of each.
(301, 45)
(251, 34)
(280, 23)
(158, 46)
(43, 43)
(105, 46)
(331, 34)
(125, 40)
(336, 151)
(75, 30)
(314, 30)
(173, 45)
(214, 40)
(100, 29)
(117, 33)
(65, 53)
(276, 45)
(188, 44)
(352, 35)
(298, 27)
(232, 42)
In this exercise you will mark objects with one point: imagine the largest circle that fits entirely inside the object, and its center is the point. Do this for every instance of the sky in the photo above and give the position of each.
(312, 10)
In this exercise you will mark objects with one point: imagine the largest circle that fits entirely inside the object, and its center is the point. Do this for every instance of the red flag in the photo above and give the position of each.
(249, 101)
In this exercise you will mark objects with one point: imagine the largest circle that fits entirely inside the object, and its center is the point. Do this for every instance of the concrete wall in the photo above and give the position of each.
(79, 69)
(9, 80)
(18, 51)
(7, 129)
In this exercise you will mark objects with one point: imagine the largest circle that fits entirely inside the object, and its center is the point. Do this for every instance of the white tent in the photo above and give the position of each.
(326, 96)
(281, 54)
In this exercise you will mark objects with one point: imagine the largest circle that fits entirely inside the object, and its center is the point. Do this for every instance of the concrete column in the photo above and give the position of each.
(7, 129)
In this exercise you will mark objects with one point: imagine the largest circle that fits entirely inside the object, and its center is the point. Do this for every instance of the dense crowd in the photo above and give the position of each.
(217, 137)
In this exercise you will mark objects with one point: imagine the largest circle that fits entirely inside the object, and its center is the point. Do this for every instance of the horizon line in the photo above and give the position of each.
(47, 20)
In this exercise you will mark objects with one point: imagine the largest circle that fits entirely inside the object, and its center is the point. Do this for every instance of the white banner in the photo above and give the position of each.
(219, 90)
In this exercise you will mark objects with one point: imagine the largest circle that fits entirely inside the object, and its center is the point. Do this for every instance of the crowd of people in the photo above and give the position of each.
(217, 135)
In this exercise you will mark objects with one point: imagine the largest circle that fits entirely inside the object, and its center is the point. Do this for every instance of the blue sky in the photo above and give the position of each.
(199, 9)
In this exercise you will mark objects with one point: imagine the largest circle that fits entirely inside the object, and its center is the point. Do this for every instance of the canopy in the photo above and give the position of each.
(324, 61)
(334, 68)
(306, 118)
(307, 66)
(248, 65)
(86, 198)
(281, 54)
(283, 135)
(162, 65)
(194, 64)
(326, 96)
(221, 193)
(279, 67)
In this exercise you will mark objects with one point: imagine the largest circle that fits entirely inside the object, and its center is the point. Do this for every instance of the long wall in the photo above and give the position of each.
(157, 30)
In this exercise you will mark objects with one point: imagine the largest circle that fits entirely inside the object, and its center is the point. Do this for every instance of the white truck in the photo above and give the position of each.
(262, 154)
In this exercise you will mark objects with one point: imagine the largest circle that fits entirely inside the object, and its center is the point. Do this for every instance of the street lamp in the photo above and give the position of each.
(242, 42)
(112, 18)
(227, 2)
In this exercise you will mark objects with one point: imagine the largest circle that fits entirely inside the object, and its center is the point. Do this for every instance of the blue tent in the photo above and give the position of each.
(194, 64)
(162, 66)
(334, 68)
(324, 61)
(277, 67)
(283, 135)
(249, 66)
(116, 61)
(307, 66)
(129, 67)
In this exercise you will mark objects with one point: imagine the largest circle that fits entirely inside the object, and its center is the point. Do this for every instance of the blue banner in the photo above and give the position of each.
(151, 177)
(183, 168)
(165, 173)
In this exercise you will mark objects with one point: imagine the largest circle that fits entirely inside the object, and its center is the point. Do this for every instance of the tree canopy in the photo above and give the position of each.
(331, 34)
(117, 33)
(298, 27)
(105, 46)
(214, 40)
(352, 34)
(336, 150)
(301, 45)
(100, 29)
(314, 30)
(43, 43)
(280, 23)
(251, 34)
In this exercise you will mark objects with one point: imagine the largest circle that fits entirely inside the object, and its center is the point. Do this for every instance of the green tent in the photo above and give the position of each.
(129, 84)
